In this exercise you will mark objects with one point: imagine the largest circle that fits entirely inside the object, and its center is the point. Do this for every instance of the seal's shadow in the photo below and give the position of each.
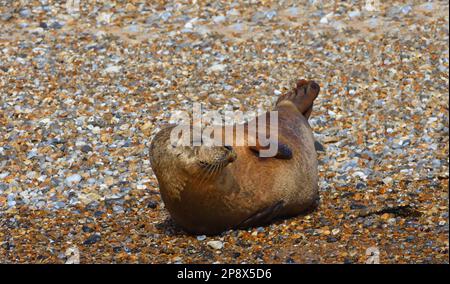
(170, 228)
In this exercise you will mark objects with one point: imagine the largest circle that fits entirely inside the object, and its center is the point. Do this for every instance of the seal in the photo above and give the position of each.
(210, 189)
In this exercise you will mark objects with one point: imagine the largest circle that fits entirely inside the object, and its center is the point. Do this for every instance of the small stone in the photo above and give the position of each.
(132, 29)
(73, 179)
(73, 255)
(427, 6)
(217, 245)
(5, 17)
(109, 180)
(331, 239)
(367, 223)
(391, 221)
(354, 14)
(177, 259)
(152, 204)
(219, 19)
(406, 9)
(4, 175)
(104, 18)
(86, 148)
(289, 260)
(360, 185)
(60, 205)
(118, 209)
(87, 229)
(92, 239)
(385, 216)
(410, 238)
(357, 206)
(130, 7)
(270, 14)
(217, 68)
(165, 16)
(112, 69)
(387, 180)
(146, 127)
(293, 11)
(25, 13)
(201, 238)
(57, 25)
(326, 19)
(141, 186)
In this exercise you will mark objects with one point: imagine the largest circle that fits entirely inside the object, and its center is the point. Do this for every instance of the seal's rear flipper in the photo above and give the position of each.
(262, 217)
(302, 96)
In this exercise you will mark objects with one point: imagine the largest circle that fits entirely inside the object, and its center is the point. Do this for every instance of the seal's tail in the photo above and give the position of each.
(302, 96)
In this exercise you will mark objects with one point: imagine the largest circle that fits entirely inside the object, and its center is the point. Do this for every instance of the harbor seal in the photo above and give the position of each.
(210, 189)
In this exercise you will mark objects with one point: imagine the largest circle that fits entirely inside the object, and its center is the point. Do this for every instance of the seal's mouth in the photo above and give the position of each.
(227, 157)
(210, 169)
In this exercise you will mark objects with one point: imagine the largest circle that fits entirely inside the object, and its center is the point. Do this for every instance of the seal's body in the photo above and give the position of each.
(211, 189)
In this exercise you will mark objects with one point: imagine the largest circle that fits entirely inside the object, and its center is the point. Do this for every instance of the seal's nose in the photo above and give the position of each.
(231, 157)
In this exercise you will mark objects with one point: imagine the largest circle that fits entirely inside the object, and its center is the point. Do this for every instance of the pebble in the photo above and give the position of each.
(25, 13)
(388, 180)
(87, 229)
(94, 238)
(217, 245)
(217, 68)
(112, 69)
(73, 179)
(219, 19)
(201, 238)
(86, 148)
(73, 255)
(354, 14)
(4, 175)
(325, 20)
(152, 204)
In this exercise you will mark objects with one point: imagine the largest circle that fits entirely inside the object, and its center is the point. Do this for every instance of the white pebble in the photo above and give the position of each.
(215, 244)
(73, 179)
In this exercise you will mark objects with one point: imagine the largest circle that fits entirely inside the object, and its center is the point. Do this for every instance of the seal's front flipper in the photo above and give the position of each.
(283, 150)
(262, 217)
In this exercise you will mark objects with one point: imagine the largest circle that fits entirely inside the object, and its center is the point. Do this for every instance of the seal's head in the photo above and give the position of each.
(202, 158)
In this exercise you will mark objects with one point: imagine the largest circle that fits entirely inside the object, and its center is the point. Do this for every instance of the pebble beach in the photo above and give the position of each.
(85, 85)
